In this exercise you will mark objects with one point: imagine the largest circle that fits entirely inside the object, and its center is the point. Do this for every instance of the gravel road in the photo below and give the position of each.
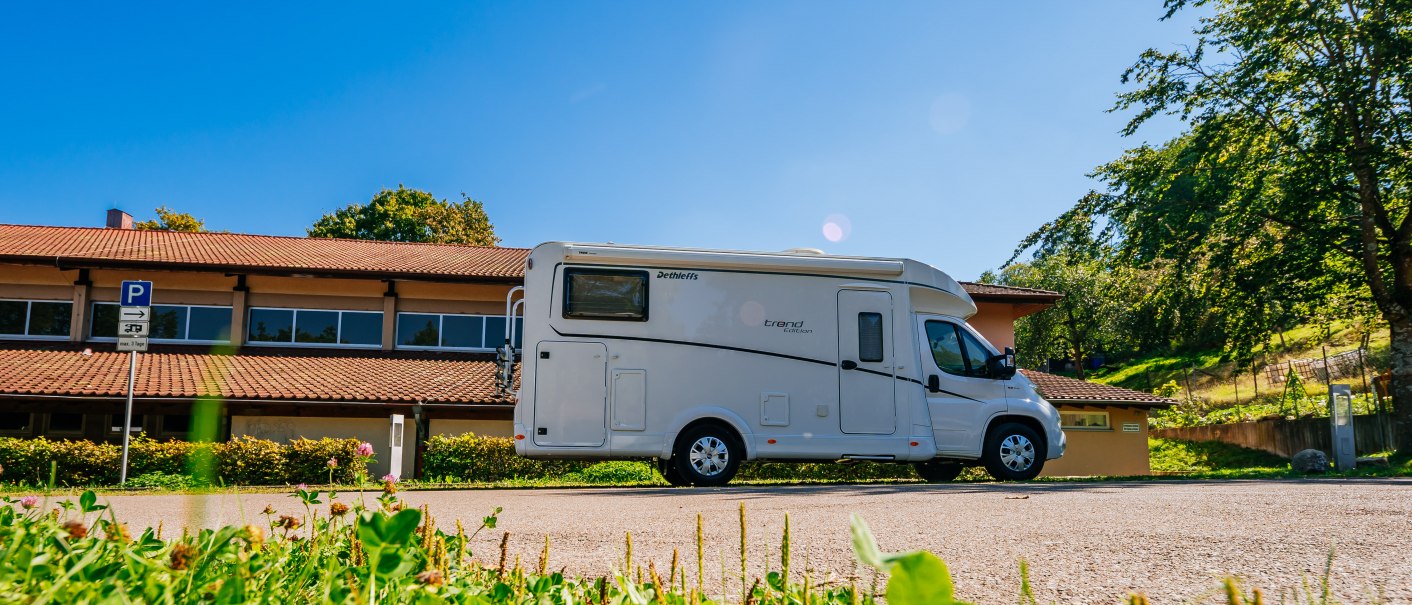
(1085, 542)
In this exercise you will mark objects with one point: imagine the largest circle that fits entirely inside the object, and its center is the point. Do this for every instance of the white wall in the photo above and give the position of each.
(372, 430)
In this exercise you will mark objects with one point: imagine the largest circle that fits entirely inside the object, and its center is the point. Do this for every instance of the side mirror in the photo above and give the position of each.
(933, 384)
(1002, 366)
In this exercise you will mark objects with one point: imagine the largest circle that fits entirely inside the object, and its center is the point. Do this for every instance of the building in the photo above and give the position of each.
(324, 337)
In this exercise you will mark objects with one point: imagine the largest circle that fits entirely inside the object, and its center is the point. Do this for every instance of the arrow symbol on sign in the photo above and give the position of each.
(141, 314)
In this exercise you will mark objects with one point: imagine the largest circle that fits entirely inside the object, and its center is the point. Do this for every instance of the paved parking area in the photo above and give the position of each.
(1085, 542)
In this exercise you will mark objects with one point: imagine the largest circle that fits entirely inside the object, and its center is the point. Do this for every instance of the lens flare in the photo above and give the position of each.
(837, 227)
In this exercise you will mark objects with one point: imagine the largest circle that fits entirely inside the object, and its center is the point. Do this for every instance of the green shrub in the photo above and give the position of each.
(469, 457)
(824, 471)
(84, 463)
(21, 460)
(249, 461)
(160, 480)
(147, 455)
(616, 471)
(307, 460)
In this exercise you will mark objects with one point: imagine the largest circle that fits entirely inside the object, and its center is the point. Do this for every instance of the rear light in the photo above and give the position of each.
(519, 437)
(770, 441)
(915, 444)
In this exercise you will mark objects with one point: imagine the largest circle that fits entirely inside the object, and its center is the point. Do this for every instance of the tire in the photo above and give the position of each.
(1013, 452)
(707, 455)
(938, 471)
(668, 468)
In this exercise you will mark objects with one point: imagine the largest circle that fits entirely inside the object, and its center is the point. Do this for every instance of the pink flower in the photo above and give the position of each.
(390, 477)
(333, 462)
(365, 449)
(29, 502)
(302, 486)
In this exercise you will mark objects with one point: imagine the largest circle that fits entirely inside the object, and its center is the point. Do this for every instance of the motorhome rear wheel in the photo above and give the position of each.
(707, 455)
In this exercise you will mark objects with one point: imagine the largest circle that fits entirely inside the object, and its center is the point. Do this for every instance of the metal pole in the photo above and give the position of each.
(127, 415)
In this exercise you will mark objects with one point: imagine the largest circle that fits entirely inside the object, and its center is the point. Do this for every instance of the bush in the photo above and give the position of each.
(825, 471)
(470, 457)
(307, 460)
(249, 461)
(160, 480)
(147, 455)
(616, 471)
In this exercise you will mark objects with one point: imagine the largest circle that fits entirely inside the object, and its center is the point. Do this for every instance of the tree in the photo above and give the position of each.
(410, 215)
(1314, 96)
(171, 220)
(1084, 322)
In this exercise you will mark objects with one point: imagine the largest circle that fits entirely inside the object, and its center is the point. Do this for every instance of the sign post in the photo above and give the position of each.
(134, 317)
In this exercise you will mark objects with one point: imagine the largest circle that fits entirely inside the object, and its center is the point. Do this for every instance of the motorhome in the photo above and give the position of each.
(703, 359)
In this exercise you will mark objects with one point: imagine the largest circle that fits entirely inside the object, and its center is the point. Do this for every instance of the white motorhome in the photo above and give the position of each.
(702, 359)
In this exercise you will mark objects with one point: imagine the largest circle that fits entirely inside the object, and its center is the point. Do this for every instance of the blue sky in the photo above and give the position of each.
(942, 131)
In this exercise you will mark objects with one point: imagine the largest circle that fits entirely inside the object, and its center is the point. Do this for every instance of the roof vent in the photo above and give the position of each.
(809, 251)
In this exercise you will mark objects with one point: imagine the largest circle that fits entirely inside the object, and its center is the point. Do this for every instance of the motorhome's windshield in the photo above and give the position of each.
(956, 351)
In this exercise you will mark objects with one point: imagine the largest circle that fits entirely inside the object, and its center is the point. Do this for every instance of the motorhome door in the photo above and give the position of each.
(866, 402)
(570, 394)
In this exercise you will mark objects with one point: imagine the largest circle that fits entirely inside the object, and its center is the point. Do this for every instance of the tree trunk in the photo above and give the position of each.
(1401, 387)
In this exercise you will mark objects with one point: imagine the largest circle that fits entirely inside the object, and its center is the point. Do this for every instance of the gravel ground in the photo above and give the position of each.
(1085, 542)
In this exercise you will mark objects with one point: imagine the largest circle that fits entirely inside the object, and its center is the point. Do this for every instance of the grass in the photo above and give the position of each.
(1211, 372)
(341, 549)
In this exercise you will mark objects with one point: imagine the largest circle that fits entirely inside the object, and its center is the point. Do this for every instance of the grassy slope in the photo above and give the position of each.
(1211, 377)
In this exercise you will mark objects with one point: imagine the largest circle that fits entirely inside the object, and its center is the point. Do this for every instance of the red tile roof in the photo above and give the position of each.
(997, 292)
(1061, 389)
(186, 372)
(126, 248)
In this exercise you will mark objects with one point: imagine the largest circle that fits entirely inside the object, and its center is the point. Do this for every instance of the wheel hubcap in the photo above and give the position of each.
(1016, 452)
(709, 456)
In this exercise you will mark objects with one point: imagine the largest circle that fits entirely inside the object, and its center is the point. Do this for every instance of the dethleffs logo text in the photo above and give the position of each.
(676, 275)
(793, 327)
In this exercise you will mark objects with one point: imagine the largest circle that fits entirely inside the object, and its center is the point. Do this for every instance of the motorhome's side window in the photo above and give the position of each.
(870, 337)
(976, 355)
(946, 347)
(605, 294)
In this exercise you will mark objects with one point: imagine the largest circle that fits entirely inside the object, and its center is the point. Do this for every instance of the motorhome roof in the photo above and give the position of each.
(794, 261)
(702, 258)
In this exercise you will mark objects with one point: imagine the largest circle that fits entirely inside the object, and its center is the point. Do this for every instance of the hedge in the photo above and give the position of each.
(250, 461)
(240, 461)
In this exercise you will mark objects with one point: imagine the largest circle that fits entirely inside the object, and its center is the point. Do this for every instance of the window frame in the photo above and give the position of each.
(569, 272)
(1107, 421)
(29, 314)
(294, 330)
(961, 342)
(50, 430)
(441, 332)
(93, 316)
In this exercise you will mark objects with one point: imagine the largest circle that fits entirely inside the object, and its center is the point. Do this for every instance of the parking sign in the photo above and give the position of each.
(135, 294)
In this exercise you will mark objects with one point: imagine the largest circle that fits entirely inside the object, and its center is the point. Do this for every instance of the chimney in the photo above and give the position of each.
(117, 219)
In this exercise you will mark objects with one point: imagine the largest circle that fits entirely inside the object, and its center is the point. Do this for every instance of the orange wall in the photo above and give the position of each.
(1104, 452)
(996, 322)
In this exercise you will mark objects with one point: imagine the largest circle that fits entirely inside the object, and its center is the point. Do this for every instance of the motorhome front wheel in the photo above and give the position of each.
(707, 455)
(1012, 452)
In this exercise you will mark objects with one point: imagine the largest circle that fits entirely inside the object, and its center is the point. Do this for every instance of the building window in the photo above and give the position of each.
(66, 423)
(15, 422)
(315, 327)
(1094, 421)
(168, 322)
(35, 318)
(117, 423)
(605, 294)
(176, 425)
(448, 331)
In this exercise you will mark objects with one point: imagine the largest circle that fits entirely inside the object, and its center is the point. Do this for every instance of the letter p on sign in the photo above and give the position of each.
(135, 294)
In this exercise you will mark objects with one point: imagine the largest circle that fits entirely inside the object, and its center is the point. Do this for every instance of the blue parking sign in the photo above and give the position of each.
(135, 294)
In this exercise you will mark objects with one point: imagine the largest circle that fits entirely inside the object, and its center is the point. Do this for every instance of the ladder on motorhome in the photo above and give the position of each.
(505, 355)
